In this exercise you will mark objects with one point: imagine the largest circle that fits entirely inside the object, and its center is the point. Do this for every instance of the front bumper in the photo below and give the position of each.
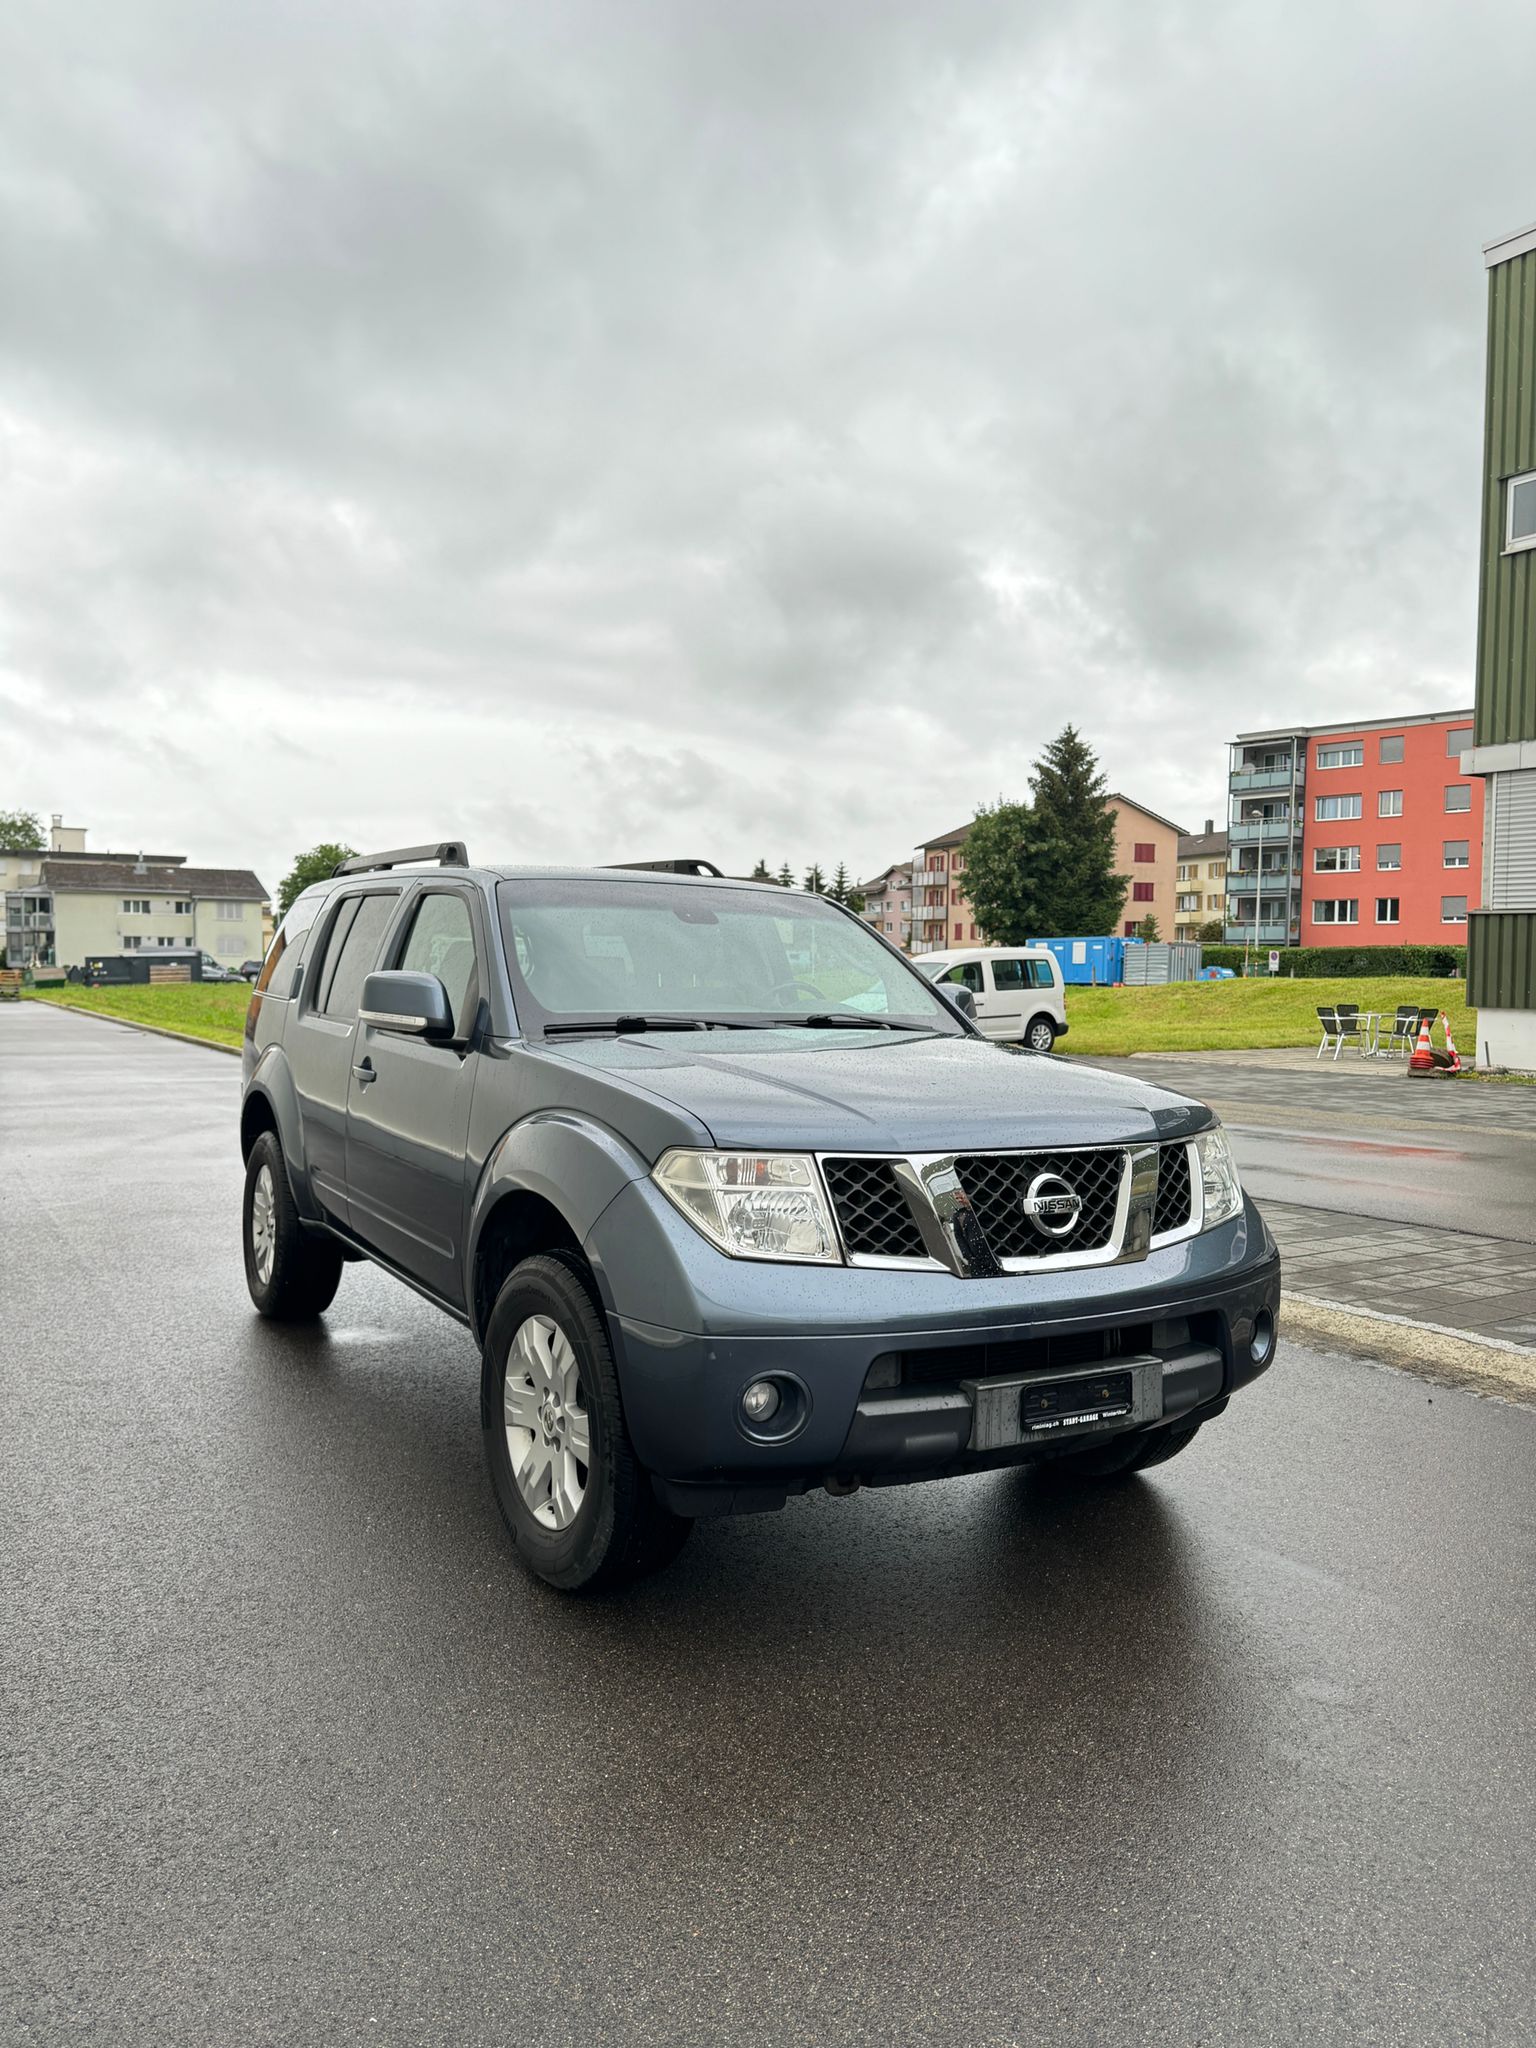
(905, 1375)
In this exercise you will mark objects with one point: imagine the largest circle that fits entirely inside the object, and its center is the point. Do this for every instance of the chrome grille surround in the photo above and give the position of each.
(959, 1206)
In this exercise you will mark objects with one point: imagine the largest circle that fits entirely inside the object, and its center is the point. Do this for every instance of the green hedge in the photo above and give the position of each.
(1326, 963)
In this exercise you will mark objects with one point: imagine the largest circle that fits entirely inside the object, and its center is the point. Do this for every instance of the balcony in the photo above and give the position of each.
(931, 878)
(1264, 935)
(1248, 780)
(1250, 830)
(1275, 880)
(934, 913)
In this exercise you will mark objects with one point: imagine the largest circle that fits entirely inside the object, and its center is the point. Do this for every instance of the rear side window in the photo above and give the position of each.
(276, 976)
(352, 951)
(442, 942)
(1008, 974)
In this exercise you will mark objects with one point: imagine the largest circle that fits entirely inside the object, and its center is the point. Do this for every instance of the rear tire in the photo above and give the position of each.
(577, 1501)
(1126, 1454)
(1040, 1034)
(292, 1273)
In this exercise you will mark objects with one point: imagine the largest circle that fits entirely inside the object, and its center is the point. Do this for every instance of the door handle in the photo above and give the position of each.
(365, 1072)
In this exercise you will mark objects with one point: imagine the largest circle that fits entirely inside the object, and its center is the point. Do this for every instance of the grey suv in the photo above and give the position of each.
(734, 1201)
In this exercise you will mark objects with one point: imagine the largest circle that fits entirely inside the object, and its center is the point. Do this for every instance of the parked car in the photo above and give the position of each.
(734, 1202)
(249, 969)
(1017, 989)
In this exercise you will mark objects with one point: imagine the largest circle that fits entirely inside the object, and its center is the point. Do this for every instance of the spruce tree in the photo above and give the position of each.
(760, 872)
(1071, 844)
(786, 877)
(815, 880)
(839, 891)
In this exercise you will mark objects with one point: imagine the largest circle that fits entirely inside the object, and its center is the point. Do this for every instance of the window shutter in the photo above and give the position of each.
(1512, 841)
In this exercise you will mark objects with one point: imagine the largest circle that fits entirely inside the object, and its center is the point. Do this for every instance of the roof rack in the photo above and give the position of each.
(672, 867)
(448, 853)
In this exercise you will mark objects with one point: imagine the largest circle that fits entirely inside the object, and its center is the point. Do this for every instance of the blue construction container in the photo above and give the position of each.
(1087, 961)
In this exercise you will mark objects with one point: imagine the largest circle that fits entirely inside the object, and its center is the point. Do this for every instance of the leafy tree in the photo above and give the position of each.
(1148, 930)
(840, 889)
(315, 866)
(1211, 932)
(815, 880)
(1072, 843)
(785, 877)
(999, 874)
(856, 901)
(21, 832)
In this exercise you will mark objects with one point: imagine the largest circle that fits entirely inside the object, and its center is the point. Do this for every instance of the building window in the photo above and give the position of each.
(1458, 853)
(1457, 740)
(1335, 860)
(1130, 927)
(959, 931)
(135, 906)
(1389, 856)
(1389, 749)
(1181, 873)
(132, 943)
(1351, 755)
(231, 913)
(1216, 870)
(1458, 796)
(1520, 521)
(1389, 803)
(182, 908)
(1188, 904)
(1336, 910)
(1141, 892)
(1213, 903)
(1453, 909)
(1145, 852)
(938, 860)
(1386, 909)
(1331, 807)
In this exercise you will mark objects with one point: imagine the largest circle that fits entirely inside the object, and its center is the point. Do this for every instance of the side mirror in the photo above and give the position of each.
(957, 993)
(414, 1003)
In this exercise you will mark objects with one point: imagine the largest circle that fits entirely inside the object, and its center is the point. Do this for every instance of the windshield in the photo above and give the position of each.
(608, 949)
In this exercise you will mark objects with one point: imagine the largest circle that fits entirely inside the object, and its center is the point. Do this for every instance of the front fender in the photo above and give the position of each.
(575, 1163)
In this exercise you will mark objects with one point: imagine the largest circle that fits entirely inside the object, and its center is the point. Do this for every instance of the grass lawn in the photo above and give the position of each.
(215, 1011)
(1201, 1016)
(1184, 1016)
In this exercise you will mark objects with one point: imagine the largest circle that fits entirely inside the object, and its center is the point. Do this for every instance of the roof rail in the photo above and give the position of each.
(448, 853)
(672, 867)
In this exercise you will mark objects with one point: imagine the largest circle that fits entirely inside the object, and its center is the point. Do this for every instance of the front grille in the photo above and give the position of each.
(872, 1212)
(997, 1183)
(1175, 1191)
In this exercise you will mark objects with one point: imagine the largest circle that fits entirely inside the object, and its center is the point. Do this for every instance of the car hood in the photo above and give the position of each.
(879, 1091)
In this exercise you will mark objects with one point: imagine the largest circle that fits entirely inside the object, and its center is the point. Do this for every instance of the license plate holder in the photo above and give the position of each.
(1120, 1393)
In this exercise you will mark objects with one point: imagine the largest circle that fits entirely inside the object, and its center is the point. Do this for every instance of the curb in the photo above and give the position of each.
(1449, 1358)
(130, 1024)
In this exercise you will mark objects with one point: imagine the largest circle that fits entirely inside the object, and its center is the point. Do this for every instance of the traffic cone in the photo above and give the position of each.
(1453, 1065)
(1423, 1060)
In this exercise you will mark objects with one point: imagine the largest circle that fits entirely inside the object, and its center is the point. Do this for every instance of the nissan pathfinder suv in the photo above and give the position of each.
(733, 1200)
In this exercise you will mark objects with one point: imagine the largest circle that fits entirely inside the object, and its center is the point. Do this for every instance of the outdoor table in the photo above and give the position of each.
(1369, 1022)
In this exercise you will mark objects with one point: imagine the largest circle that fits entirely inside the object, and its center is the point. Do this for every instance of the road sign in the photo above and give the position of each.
(1274, 961)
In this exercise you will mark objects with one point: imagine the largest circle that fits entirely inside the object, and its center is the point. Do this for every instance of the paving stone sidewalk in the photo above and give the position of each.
(1483, 1285)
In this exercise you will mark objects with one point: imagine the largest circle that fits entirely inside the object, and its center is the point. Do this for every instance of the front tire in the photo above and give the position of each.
(575, 1498)
(292, 1273)
(1040, 1035)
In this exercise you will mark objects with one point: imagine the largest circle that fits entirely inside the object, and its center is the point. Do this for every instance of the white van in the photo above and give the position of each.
(1017, 989)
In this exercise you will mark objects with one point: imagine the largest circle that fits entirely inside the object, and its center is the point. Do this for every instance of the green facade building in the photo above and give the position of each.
(1501, 962)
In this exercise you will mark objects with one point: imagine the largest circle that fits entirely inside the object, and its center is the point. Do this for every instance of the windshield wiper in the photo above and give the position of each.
(629, 1024)
(850, 1020)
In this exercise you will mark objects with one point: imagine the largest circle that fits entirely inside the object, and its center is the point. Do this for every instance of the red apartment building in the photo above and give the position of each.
(1365, 834)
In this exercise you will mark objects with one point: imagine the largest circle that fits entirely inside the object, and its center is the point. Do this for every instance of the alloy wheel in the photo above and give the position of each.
(263, 1224)
(1041, 1037)
(549, 1436)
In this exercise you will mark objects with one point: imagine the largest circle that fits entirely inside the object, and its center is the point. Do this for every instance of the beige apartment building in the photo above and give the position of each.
(1200, 881)
(64, 905)
(888, 902)
(1146, 850)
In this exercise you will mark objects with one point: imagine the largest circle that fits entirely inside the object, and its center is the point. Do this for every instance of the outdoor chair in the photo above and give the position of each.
(1339, 1023)
(1403, 1031)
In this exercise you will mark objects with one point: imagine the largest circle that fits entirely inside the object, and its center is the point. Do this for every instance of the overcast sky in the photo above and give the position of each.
(739, 427)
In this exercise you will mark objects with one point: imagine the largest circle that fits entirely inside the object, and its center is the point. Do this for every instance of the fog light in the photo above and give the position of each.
(1262, 1342)
(760, 1403)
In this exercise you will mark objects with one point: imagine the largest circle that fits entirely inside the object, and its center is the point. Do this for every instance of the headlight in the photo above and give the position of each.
(1223, 1190)
(753, 1205)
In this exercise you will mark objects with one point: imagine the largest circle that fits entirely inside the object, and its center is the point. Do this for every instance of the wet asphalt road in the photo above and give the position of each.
(1240, 1752)
(1444, 1155)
